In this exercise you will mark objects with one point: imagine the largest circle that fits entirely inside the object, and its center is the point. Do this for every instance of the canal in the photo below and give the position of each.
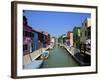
(59, 57)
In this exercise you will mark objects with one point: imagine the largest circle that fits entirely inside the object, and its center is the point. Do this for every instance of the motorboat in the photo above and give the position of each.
(45, 55)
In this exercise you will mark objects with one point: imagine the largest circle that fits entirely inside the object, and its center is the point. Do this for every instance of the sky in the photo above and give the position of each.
(55, 23)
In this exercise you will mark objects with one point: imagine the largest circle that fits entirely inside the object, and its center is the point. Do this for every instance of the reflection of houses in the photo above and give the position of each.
(86, 35)
(69, 38)
(76, 38)
(27, 36)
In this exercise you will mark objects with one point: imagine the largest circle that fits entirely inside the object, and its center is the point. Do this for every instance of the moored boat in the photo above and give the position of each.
(35, 64)
(45, 55)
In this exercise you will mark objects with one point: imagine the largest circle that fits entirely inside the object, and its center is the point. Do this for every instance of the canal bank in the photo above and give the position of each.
(59, 57)
(74, 53)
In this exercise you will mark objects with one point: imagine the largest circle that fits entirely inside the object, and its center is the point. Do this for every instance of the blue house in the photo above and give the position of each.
(35, 41)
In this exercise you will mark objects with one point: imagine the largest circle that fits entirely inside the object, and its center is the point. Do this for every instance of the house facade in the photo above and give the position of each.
(27, 37)
(76, 37)
(86, 34)
(69, 39)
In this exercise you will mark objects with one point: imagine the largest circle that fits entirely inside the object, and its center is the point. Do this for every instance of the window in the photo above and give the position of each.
(24, 47)
(28, 34)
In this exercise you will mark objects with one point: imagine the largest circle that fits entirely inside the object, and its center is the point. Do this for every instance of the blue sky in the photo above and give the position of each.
(55, 23)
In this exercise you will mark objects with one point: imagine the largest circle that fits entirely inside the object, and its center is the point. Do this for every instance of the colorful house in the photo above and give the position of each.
(27, 37)
(69, 38)
(86, 34)
(40, 40)
(35, 40)
(46, 39)
(76, 37)
(52, 39)
(62, 39)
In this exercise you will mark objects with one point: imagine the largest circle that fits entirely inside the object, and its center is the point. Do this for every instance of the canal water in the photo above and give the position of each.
(59, 57)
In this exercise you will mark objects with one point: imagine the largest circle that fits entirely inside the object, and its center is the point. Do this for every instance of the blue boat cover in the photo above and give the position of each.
(45, 54)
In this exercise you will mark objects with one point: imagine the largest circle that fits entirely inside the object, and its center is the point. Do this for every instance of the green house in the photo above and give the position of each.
(62, 39)
(77, 33)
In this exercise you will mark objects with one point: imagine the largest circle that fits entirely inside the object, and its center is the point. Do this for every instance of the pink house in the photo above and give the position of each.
(27, 37)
